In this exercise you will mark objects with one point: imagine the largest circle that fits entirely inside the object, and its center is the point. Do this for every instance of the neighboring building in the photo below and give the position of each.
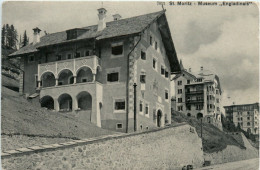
(245, 115)
(91, 71)
(199, 95)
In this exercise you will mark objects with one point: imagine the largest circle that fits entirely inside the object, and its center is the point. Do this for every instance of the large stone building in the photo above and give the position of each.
(245, 115)
(91, 71)
(199, 95)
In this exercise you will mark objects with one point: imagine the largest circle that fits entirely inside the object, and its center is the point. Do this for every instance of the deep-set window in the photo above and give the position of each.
(87, 53)
(69, 56)
(162, 70)
(155, 64)
(58, 57)
(146, 109)
(117, 50)
(143, 55)
(166, 74)
(119, 126)
(112, 77)
(77, 54)
(248, 123)
(179, 91)
(166, 95)
(151, 40)
(31, 58)
(179, 100)
(120, 104)
(179, 83)
(188, 81)
(188, 107)
(156, 45)
(141, 106)
(142, 78)
(180, 108)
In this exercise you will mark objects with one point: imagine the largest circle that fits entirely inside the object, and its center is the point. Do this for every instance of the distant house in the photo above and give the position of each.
(199, 95)
(244, 115)
(91, 71)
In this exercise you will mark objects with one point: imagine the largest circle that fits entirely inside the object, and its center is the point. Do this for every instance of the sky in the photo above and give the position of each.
(223, 39)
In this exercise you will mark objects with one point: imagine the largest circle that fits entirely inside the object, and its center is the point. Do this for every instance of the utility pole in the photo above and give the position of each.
(135, 106)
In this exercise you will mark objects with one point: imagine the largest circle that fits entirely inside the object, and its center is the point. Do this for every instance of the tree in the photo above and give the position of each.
(3, 36)
(13, 37)
(25, 39)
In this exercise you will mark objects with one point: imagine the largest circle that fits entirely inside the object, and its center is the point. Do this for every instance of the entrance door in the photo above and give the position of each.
(159, 116)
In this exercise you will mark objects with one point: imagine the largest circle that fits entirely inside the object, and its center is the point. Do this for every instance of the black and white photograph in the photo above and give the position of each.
(130, 85)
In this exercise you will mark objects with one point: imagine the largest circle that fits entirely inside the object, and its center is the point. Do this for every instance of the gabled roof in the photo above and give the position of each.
(116, 28)
(184, 72)
(113, 29)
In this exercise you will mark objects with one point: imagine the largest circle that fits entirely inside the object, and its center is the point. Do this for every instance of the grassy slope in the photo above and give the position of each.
(22, 117)
(212, 138)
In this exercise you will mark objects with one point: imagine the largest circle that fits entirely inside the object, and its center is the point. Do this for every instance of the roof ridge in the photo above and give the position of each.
(107, 23)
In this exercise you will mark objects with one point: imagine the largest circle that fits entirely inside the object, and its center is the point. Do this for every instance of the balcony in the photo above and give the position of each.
(194, 92)
(195, 101)
(72, 65)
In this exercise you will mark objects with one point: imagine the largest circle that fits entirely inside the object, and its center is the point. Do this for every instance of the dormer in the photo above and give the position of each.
(75, 33)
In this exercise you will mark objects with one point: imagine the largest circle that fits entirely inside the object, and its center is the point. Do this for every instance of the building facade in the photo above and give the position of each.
(92, 71)
(199, 95)
(246, 116)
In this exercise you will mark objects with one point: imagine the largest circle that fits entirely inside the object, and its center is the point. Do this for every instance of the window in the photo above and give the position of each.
(112, 77)
(151, 40)
(31, 58)
(188, 81)
(117, 50)
(179, 83)
(77, 54)
(155, 64)
(166, 74)
(216, 91)
(36, 80)
(199, 107)
(58, 57)
(69, 56)
(60, 83)
(248, 123)
(248, 118)
(188, 107)
(179, 100)
(199, 80)
(162, 70)
(141, 106)
(87, 53)
(156, 45)
(84, 80)
(179, 91)
(146, 109)
(217, 100)
(217, 108)
(143, 55)
(119, 126)
(142, 78)
(120, 104)
(166, 95)
(248, 113)
(180, 108)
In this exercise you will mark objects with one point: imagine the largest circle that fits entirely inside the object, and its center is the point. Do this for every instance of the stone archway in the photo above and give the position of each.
(47, 102)
(84, 74)
(48, 79)
(65, 102)
(84, 100)
(64, 77)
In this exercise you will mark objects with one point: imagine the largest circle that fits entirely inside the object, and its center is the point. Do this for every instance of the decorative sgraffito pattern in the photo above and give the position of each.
(65, 65)
(48, 67)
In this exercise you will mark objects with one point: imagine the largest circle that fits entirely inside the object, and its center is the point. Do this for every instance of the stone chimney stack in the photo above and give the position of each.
(36, 35)
(189, 69)
(102, 19)
(201, 68)
(117, 17)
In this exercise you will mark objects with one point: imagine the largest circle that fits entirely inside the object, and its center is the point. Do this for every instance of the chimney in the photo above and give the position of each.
(36, 35)
(189, 69)
(117, 17)
(201, 68)
(102, 19)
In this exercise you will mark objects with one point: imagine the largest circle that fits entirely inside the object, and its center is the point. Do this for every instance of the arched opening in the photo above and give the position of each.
(65, 102)
(98, 74)
(84, 75)
(188, 114)
(65, 77)
(199, 115)
(84, 101)
(159, 116)
(48, 79)
(47, 102)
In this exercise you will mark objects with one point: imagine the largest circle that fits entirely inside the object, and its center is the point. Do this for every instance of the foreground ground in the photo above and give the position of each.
(23, 123)
(213, 139)
(251, 164)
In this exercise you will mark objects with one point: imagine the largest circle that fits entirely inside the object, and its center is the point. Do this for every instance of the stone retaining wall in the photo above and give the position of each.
(169, 148)
(233, 153)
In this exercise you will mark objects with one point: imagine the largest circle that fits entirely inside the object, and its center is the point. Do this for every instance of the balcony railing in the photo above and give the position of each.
(194, 92)
(93, 62)
(195, 101)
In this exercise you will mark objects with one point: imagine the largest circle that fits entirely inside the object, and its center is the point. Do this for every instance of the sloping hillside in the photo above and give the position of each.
(22, 117)
(212, 138)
